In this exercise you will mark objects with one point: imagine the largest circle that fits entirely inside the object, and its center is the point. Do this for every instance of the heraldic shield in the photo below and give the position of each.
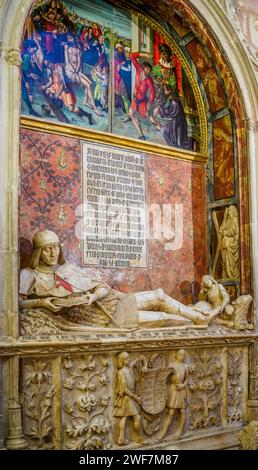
(153, 389)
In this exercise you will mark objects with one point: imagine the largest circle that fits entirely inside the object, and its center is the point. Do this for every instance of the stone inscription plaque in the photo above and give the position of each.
(114, 207)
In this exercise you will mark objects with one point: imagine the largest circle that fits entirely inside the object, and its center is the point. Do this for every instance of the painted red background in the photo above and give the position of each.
(51, 191)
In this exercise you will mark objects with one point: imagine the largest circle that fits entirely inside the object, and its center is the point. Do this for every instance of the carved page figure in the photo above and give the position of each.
(127, 403)
(177, 389)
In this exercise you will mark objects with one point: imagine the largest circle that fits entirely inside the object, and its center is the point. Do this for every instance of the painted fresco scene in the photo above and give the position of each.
(92, 65)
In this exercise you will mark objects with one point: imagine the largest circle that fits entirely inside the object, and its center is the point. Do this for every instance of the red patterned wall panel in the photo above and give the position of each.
(51, 191)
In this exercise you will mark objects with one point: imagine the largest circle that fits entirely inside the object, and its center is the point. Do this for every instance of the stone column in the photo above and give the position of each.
(253, 183)
(1, 410)
(9, 260)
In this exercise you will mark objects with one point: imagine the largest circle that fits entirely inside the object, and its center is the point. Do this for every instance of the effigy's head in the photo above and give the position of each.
(44, 238)
(46, 249)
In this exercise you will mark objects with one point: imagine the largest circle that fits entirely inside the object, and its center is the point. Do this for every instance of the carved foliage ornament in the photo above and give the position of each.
(205, 390)
(234, 386)
(38, 400)
(86, 400)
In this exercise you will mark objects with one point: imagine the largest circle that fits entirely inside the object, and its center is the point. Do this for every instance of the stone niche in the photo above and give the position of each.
(152, 388)
(146, 389)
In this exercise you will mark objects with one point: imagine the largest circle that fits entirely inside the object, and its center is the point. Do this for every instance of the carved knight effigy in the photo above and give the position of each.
(56, 296)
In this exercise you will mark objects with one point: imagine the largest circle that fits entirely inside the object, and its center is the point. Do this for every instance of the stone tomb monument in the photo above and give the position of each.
(128, 370)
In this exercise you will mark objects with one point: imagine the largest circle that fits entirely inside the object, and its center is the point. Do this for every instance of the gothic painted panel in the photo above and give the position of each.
(224, 174)
(208, 74)
(89, 64)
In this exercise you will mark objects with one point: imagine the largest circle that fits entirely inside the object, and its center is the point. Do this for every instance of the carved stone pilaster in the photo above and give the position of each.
(86, 397)
(234, 386)
(15, 438)
(253, 384)
(13, 57)
(39, 392)
(1, 408)
(205, 390)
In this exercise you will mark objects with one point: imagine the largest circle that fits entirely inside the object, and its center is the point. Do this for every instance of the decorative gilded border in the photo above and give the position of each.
(112, 139)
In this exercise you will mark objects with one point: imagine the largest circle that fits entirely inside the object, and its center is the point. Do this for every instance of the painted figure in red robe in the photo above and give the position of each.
(144, 92)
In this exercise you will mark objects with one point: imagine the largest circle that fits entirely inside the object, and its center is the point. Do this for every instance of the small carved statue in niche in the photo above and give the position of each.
(127, 403)
(228, 243)
(178, 381)
(56, 296)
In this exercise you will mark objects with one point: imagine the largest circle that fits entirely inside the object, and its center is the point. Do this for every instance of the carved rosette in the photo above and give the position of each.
(85, 403)
(13, 57)
(205, 389)
(38, 403)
